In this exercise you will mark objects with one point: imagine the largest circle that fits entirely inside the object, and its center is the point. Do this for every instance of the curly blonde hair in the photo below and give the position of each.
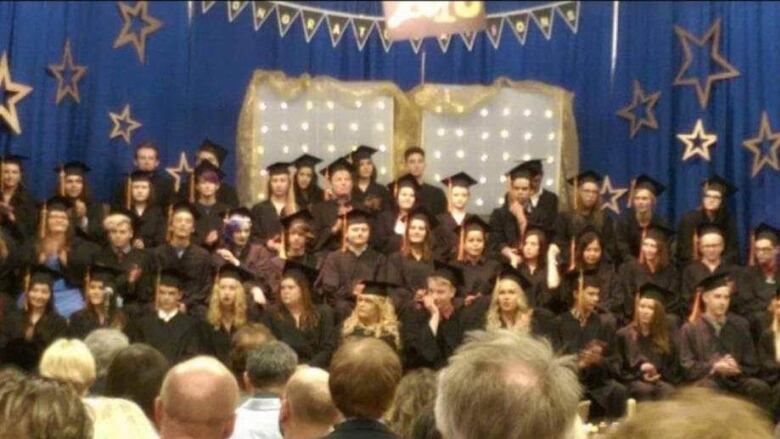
(493, 316)
(416, 391)
(387, 325)
(214, 314)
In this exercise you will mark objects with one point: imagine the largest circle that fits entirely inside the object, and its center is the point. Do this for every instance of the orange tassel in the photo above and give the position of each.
(42, 223)
(283, 245)
(157, 283)
(61, 181)
(344, 232)
(129, 194)
(328, 189)
(462, 242)
(752, 248)
(641, 254)
(572, 256)
(631, 191)
(192, 187)
(169, 232)
(449, 195)
(696, 308)
(576, 192)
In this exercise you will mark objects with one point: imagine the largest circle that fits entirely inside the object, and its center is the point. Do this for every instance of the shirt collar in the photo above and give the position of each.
(167, 317)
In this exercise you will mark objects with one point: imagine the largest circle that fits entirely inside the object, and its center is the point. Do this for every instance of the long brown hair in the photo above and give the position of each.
(40, 245)
(427, 246)
(310, 318)
(662, 256)
(582, 213)
(541, 259)
(583, 242)
(659, 331)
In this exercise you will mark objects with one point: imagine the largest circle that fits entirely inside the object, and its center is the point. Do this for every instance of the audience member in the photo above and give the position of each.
(307, 411)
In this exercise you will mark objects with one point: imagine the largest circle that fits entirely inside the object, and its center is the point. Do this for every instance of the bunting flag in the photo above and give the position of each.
(543, 14)
(416, 44)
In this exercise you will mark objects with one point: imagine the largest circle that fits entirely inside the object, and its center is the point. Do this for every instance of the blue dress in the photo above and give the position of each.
(67, 299)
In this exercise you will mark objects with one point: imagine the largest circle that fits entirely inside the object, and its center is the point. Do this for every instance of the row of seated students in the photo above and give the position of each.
(304, 261)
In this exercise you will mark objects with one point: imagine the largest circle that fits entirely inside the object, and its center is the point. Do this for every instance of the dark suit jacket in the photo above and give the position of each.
(361, 429)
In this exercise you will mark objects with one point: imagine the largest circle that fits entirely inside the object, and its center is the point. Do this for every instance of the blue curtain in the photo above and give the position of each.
(198, 65)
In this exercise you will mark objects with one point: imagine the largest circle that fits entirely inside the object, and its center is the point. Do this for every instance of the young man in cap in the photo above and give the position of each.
(147, 159)
(366, 191)
(329, 214)
(633, 223)
(542, 200)
(149, 218)
(208, 180)
(17, 205)
(458, 193)
(762, 277)
(280, 202)
(431, 197)
(307, 191)
(209, 151)
(87, 215)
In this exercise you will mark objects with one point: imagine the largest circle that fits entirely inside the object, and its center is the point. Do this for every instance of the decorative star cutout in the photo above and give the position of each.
(67, 69)
(136, 38)
(124, 124)
(10, 94)
(177, 171)
(698, 142)
(712, 37)
(647, 101)
(614, 194)
(754, 145)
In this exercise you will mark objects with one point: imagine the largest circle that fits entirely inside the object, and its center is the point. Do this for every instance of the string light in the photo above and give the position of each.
(283, 105)
(263, 172)
(285, 149)
(549, 182)
(331, 148)
(505, 156)
(484, 157)
(330, 126)
(437, 177)
(380, 127)
(527, 136)
(261, 197)
(504, 134)
(526, 157)
(460, 153)
(500, 201)
(550, 159)
(440, 132)
(502, 178)
(264, 129)
(548, 114)
(482, 179)
(485, 135)
(358, 103)
(309, 105)
(260, 150)
(551, 136)
(484, 112)
(382, 147)
(383, 170)
(283, 127)
(380, 105)
(305, 148)
(330, 105)
(263, 106)
(305, 126)
(459, 132)
(437, 109)
(480, 202)
(527, 112)
(459, 108)
(437, 154)
(507, 111)
(353, 126)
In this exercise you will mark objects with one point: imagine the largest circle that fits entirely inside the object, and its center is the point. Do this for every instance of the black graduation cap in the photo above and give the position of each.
(236, 272)
(644, 181)
(41, 274)
(588, 277)
(186, 207)
(278, 168)
(171, 278)
(650, 290)
(588, 229)
(359, 215)
(510, 272)
(139, 175)
(585, 177)
(520, 171)
(239, 211)
(218, 150)
(472, 222)
(13, 159)
(306, 161)
(720, 184)
(303, 215)
(765, 231)
(377, 288)
(713, 281)
(205, 168)
(340, 164)
(73, 167)
(460, 179)
(58, 203)
(660, 231)
(300, 271)
(422, 212)
(104, 273)
(533, 166)
(541, 228)
(405, 181)
(707, 227)
(362, 152)
(450, 272)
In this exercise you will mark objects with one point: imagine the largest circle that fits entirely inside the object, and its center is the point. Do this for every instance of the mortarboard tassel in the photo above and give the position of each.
(631, 191)
(169, 228)
(576, 192)
(129, 194)
(61, 181)
(192, 187)
(752, 260)
(344, 232)
(42, 222)
(641, 253)
(283, 244)
(462, 242)
(696, 308)
(572, 254)
(695, 246)
(328, 189)
(27, 281)
(449, 195)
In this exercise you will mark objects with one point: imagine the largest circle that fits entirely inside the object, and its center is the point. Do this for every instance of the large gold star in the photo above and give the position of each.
(124, 124)
(614, 195)
(177, 171)
(10, 94)
(127, 35)
(754, 145)
(728, 70)
(74, 74)
(698, 142)
(639, 98)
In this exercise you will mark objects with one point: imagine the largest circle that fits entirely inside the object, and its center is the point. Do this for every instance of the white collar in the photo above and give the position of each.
(167, 317)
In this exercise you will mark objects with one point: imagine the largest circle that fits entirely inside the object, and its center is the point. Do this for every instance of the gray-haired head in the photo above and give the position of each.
(104, 343)
(271, 365)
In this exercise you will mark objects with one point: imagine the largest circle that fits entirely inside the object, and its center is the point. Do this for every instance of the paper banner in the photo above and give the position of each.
(571, 14)
(544, 19)
(519, 25)
(311, 22)
(235, 8)
(285, 17)
(362, 28)
(337, 27)
(261, 10)
(493, 29)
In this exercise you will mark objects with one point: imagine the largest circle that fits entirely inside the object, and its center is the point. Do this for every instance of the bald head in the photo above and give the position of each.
(198, 399)
(308, 396)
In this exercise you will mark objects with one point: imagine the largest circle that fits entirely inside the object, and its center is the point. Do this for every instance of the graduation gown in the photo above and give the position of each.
(360, 332)
(163, 190)
(216, 341)
(767, 356)
(361, 428)
(226, 194)
(546, 206)
(569, 225)
(635, 349)
(539, 295)
(256, 259)
(25, 209)
(11, 265)
(409, 274)
(341, 271)
(446, 238)
(26, 353)
(478, 276)
(314, 345)
(141, 291)
(274, 275)
(151, 226)
(633, 275)
(307, 199)
(629, 234)
(93, 229)
(543, 322)
(325, 215)
(210, 220)
(609, 299)
(376, 198)
(178, 339)
(83, 322)
(423, 348)
(692, 219)
(695, 272)
(265, 221)
(504, 231)
(432, 198)
(383, 236)
(196, 268)
(759, 288)
(80, 256)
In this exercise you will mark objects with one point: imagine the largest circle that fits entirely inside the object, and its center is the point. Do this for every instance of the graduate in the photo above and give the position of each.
(366, 191)
(479, 270)
(208, 180)
(17, 205)
(374, 315)
(716, 349)
(297, 238)
(654, 266)
(432, 333)
(280, 202)
(344, 271)
(582, 332)
(762, 277)
(539, 264)
(647, 349)
(147, 159)
(167, 327)
(542, 200)
(458, 193)
(586, 210)
(211, 152)
(391, 224)
(87, 215)
(769, 355)
(36, 324)
(715, 191)
(13, 255)
(101, 309)
(181, 254)
(307, 191)
(307, 328)
(148, 217)
(329, 214)
(409, 267)
(633, 223)
(228, 311)
(431, 197)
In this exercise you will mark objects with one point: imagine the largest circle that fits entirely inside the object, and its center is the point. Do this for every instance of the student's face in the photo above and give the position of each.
(711, 246)
(712, 200)
(717, 301)
(589, 298)
(168, 298)
(241, 235)
(289, 292)
(475, 243)
(39, 296)
(418, 228)
(442, 291)
(592, 253)
(280, 184)
(74, 186)
(96, 293)
(228, 291)
(341, 183)
(645, 309)
(650, 249)
(365, 168)
(357, 234)
(140, 191)
(589, 194)
(367, 309)
(207, 188)
(304, 176)
(520, 190)
(183, 224)
(643, 200)
(507, 298)
(459, 197)
(120, 235)
(766, 252)
(531, 247)
(12, 175)
(296, 241)
(146, 159)
(776, 308)
(58, 221)
(206, 156)
(415, 165)
(536, 182)
(406, 198)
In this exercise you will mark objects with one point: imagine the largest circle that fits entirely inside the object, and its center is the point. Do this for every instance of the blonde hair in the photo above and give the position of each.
(116, 418)
(115, 220)
(214, 314)
(387, 325)
(493, 316)
(416, 391)
(69, 361)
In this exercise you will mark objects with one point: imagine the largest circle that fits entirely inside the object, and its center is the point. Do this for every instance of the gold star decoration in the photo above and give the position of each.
(613, 193)
(124, 124)
(10, 94)
(754, 146)
(177, 171)
(712, 37)
(647, 101)
(127, 35)
(70, 70)
(698, 142)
